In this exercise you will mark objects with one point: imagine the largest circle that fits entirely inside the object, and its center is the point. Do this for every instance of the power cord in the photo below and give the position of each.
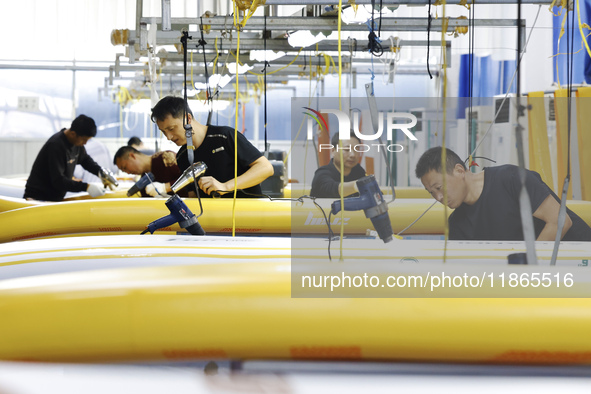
(301, 199)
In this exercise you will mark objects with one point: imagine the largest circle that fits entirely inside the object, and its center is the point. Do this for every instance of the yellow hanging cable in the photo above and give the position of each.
(459, 29)
(235, 16)
(303, 120)
(120, 113)
(464, 3)
(123, 97)
(192, 83)
(262, 88)
(583, 37)
(342, 185)
(247, 86)
(563, 4)
(160, 78)
(243, 6)
(309, 105)
(236, 127)
(444, 24)
(329, 62)
(159, 74)
(558, 46)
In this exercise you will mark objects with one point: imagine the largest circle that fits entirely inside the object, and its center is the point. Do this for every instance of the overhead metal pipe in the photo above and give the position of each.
(291, 23)
(398, 2)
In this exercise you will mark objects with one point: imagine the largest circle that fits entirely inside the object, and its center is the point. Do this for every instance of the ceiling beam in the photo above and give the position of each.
(403, 2)
(277, 44)
(290, 23)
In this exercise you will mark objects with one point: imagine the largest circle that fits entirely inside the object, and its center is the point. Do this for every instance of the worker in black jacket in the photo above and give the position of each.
(327, 179)
(52, 173)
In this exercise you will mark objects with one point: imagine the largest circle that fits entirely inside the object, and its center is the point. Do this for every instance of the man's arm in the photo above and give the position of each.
(259, 170)
(548, 212)
(324, 186)
(88, 163)
(348, 188)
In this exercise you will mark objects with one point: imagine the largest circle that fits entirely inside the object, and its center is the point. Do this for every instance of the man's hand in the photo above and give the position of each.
(209, 184)
(156, 189)
(95, 190)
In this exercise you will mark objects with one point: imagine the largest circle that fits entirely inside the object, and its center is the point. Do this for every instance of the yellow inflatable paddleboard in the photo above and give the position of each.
(245, 311)
(252, 216)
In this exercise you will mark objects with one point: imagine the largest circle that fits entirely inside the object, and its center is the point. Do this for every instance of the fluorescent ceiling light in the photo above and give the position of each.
(215, 80)
(268, 56)
(241, 69)
(305, 38)
(192, 92)
(220, 80)
(349, 15)
(363, 14)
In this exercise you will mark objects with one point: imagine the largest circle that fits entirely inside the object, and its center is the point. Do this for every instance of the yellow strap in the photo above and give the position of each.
(558, 46)
(583, 37)
(192, 82)
(244, 5)
(561, 7)
(464, 3)
(460, 29)
(584, 140)
(236, 133)
(539, 149)
(444, 24)
(340, 144)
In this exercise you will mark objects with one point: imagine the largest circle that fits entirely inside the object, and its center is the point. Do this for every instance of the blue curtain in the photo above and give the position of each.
(581, 60)
(491, 77)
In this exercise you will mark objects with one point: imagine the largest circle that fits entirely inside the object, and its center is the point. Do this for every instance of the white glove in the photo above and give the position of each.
(156, 189)
(95, 190)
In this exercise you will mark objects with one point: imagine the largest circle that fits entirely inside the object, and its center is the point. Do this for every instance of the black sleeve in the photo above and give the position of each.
(323, 184)
(537, 190)
(247, 152)
(88, 162)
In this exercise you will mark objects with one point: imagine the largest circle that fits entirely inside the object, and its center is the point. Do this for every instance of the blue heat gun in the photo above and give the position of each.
(140, 185)
(179, 212)
(371, 200)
